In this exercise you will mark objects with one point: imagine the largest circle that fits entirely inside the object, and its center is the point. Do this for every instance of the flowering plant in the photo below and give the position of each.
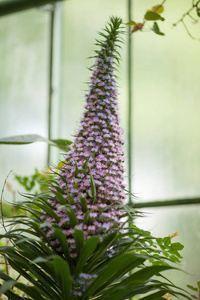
(74, 241)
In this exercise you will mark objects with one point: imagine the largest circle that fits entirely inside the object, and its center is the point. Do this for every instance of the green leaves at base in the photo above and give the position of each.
(156, 29)
(87, 251)
(112, 271)
(63, 277)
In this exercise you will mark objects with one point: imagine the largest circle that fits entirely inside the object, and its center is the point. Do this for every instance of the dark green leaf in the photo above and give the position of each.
(48, 210)
(93, 198)
(76, 170)
(71, 199)
(62, 142)
(6, 286)
(59, 197)
(156, 29)
(104, 245)
(63, 242)
(86, 253)
(128, 287)
(79, 240)
(87, 218)
(155, 296)
(83, 203)
(85, 166)
(63, 277)
(114, 269)
(153, 16)
(72, 216)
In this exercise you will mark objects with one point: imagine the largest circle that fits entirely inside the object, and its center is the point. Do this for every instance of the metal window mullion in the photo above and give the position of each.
(130, 117)
(50, 79)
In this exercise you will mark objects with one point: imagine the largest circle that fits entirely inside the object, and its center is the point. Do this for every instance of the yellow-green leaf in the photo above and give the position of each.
(131, 23)
(62, 163)
(158, 9)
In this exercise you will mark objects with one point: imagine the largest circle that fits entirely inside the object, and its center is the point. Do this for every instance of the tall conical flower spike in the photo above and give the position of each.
(92, 179)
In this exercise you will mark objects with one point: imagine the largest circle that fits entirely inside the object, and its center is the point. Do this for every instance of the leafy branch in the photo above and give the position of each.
(195, 6)
(154, 14)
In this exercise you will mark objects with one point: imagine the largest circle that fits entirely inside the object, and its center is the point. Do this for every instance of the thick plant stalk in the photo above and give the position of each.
(91, 179)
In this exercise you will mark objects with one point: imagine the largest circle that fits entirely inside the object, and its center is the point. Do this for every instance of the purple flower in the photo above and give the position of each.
(95, 157)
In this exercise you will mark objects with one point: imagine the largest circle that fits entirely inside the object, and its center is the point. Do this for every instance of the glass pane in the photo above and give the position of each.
(184, 219)
(166, 107)
(23, 93)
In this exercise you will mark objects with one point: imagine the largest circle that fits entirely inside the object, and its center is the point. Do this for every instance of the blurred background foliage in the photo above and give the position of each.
(165, 102)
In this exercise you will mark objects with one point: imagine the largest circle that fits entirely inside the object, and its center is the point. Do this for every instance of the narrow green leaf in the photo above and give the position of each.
(128, 287)
(76, 170)
(58, 189)
(13, 296)
(155, 296)
(72, 216)
(40, 259)
(60, 197)
(113, 270)
(93, 199)
(48, 210)
(85, 166)
(104, 245)
(62, 142)
(87, 251)
(6, 286)
(64, 244)
(79, 239)
(71, 199)
(31, 291)
(33, 138)
(23, 139)
(89, 193)
(83, 203)
(87, 218)
(63, 277)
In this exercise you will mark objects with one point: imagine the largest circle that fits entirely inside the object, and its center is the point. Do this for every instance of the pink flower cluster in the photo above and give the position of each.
(94, 168)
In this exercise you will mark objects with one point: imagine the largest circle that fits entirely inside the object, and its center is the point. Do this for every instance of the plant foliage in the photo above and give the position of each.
(75, 240)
